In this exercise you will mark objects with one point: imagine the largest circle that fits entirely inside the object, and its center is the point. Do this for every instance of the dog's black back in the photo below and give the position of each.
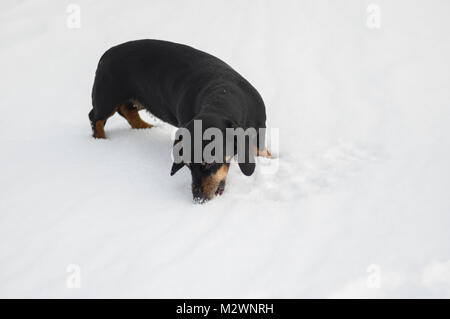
(176, 83)
(180, 85)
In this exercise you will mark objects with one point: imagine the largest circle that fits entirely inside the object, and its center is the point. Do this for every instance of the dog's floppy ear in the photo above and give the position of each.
(246, 161)
(246, 158)
(175, 168)
(247, 168)
(177, 150)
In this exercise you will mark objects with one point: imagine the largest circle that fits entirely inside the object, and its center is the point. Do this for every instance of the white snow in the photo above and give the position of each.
(359, 205)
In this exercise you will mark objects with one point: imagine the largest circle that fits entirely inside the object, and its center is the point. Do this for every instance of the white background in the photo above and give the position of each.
(359, 206)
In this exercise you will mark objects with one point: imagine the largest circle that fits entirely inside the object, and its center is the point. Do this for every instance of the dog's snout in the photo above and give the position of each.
(220, 188)
(198, 194)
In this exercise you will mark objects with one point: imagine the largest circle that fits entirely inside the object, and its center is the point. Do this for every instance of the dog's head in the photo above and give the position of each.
(208, 174)
(208, 180)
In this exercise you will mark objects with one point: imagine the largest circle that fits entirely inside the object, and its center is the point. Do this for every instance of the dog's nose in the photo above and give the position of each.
(199, 196)
(200, 200)
(220, 188)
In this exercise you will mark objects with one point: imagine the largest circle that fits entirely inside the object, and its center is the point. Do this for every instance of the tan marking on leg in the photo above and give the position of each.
(99, 129)
(133, 118)
(263, 153)
(99, 126)
(211, 183)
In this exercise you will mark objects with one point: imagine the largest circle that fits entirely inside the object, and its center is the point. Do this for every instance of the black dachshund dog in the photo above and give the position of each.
(178, 84)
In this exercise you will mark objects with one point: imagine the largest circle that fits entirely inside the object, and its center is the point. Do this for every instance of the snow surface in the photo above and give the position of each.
(359, 205)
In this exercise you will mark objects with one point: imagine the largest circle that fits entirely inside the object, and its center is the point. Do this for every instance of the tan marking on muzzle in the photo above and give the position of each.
(211, 183)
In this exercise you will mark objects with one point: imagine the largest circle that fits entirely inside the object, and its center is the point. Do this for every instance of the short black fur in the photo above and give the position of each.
(177, 84)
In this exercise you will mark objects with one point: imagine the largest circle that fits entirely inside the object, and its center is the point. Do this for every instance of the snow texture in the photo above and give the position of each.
(358, 205)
